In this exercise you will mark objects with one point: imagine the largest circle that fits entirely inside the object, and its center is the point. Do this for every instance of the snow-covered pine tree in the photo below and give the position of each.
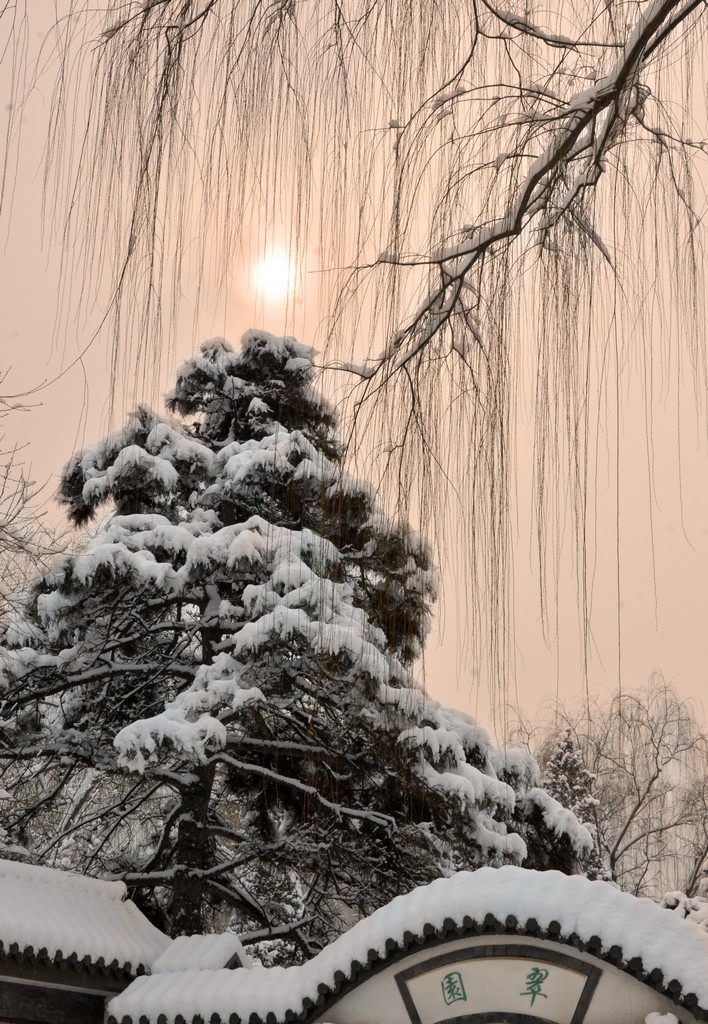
(569, 781)
(243, 625)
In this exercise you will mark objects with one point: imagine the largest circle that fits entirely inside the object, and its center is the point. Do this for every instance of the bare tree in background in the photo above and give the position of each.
(650, 759)
(26, 540)
(493, 191)
(26, 543)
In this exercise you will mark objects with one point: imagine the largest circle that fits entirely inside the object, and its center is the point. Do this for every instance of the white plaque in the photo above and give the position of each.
(499, 983)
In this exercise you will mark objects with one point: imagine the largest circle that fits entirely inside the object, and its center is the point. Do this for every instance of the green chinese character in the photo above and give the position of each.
(534, 982)
(453, 988)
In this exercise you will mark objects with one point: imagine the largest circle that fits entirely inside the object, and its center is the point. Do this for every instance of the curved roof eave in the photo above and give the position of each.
(634, 935)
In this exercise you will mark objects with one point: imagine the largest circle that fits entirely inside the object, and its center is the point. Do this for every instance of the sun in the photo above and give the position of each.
(275, 276)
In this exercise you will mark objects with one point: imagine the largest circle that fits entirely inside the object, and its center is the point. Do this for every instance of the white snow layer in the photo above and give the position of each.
(201, 952)
(640, 927)
(41, 908)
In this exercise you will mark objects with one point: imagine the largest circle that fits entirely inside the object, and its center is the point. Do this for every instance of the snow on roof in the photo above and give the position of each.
(202, 952)
(614, 925)
(58, 916)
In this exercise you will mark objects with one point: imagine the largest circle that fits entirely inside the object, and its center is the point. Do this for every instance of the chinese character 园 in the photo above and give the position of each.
(534, 982)
(453, 988)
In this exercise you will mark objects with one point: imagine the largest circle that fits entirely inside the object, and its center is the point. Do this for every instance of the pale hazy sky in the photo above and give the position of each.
(664, 598)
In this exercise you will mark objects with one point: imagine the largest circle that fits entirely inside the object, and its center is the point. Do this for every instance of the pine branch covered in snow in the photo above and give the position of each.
(689, 908)
(692, 908)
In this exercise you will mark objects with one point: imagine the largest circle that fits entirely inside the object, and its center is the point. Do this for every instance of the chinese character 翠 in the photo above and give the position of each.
(534, 980)
(453, 988)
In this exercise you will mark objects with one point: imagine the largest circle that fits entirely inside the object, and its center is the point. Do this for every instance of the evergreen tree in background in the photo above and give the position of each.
(213, 699)
(568, 780)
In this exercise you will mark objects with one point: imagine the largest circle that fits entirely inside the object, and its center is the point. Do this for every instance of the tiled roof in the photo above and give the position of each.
(52, 916)
(634, 935)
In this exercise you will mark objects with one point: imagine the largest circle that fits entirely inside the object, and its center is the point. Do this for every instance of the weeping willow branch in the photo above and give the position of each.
(475, 178)
(584, 131)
